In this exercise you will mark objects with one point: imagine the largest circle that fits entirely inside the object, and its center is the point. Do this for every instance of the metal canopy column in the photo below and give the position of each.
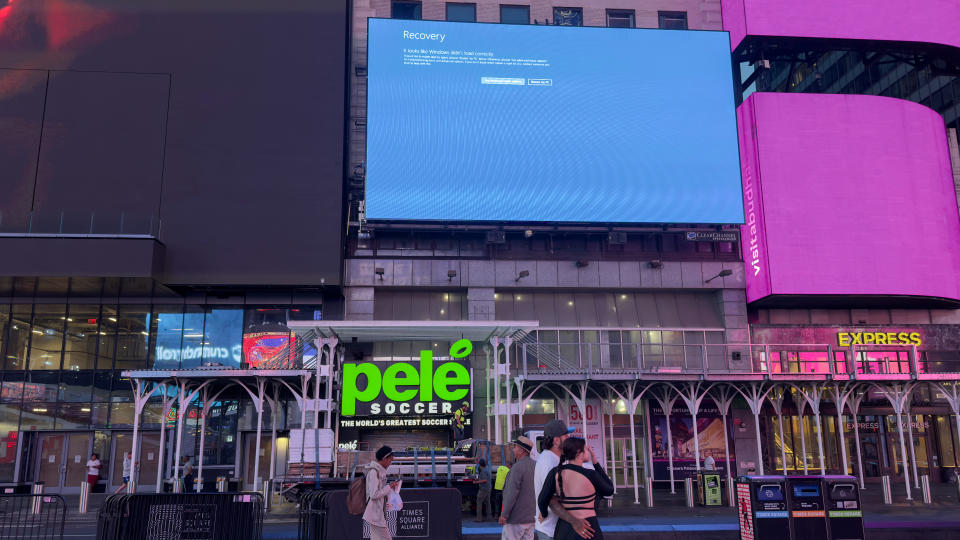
(897, 394)
(495, 343)
(913, 454)
(813, 395)
(754, 394)
(854, 405)
(208, 402)
(161, 454)
(184, 397)
(140, 399)
(257, 398)
(692, 397)
(776, 401)
(840, 398)
(507, 342)
(723, 398)
(662, 395)
(631, 399)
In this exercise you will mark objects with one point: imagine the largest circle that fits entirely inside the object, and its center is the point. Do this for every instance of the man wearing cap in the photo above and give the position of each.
(554, 433)
(519, 499)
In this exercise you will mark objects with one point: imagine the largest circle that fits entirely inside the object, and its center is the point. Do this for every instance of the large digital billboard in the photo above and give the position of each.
(489, 122)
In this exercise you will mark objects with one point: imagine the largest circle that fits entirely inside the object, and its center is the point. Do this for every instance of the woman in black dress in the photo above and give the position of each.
(576, 488)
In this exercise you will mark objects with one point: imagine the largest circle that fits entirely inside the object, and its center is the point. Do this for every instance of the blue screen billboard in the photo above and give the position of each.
(489, 122)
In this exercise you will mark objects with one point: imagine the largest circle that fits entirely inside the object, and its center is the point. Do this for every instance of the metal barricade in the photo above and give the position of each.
(213, 516)
(32, 516)
(885, 486)
(688, 490)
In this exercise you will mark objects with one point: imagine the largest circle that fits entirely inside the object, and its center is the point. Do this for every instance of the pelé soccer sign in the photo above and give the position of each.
(401, 388)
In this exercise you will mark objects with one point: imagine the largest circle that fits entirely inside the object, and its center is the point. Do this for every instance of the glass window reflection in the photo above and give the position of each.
(80, 346)
(107, 337)
(133, 337)
(46, 340)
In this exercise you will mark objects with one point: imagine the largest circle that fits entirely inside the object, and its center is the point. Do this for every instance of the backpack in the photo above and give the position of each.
(357, 496)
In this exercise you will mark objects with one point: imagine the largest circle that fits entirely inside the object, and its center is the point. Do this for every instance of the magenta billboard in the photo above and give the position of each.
(930, 21)
(847, 195)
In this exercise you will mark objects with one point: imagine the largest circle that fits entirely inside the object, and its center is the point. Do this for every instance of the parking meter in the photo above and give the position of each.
(844, 513)
(807, 508)
(762, 508)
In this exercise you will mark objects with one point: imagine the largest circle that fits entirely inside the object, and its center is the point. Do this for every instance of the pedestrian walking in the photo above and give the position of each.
(577, 489)
(126, 473)
(93, 470)
(378, 489)
(484, 489)
(188, 474)
(518, 513)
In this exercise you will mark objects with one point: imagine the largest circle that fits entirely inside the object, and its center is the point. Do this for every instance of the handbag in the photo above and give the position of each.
(394, 502)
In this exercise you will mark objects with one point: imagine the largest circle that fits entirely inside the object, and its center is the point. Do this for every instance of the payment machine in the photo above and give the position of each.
(844, 513)
(709, 492)
(807, 510)
(762, 508)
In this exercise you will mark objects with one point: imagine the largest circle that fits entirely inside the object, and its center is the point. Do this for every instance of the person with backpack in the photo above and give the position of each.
(377, 490)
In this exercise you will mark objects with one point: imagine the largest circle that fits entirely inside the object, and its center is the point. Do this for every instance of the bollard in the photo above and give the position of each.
(688, 490)
(37, 490)
(178, 485)
(648, 486)
(885, 486)
(221, 484)
(267, 495)
(731, 493)
(84, 496)
(132, 486)
(925, 488)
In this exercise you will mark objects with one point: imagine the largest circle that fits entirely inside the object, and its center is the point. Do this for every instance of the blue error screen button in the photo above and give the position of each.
(540, 82)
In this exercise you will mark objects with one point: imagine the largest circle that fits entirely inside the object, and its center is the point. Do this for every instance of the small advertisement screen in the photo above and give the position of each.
(498, 122)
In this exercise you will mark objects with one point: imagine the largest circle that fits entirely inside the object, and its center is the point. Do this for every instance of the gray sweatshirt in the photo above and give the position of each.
(519, 496)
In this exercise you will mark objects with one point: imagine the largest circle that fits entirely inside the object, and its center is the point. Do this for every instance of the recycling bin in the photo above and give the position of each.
(807, 509)
(844, 512)
(709, 491)
(762, 508)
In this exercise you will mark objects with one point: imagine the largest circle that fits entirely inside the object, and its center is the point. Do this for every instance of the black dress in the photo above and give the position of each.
(602, 486)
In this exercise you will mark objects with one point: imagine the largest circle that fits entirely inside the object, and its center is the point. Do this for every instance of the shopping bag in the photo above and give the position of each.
(394, 502)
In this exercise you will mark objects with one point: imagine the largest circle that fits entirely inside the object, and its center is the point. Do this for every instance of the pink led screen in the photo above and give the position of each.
(931, 21)
(847, 195)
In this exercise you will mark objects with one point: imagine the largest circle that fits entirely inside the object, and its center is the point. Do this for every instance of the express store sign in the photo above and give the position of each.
(407, 388)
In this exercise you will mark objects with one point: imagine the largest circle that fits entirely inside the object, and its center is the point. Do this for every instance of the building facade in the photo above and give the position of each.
(229, 307)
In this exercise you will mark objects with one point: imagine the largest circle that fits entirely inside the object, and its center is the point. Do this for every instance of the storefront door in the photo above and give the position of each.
(250, 440)
(62, 461)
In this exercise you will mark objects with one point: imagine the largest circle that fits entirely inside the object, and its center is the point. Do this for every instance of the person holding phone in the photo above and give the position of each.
(378, 489)
(576, 488)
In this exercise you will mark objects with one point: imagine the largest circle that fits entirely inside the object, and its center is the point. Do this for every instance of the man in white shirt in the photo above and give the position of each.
(554, 433)
(709, 464)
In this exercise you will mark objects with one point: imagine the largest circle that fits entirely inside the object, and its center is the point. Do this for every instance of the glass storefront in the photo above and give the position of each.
(62, 364)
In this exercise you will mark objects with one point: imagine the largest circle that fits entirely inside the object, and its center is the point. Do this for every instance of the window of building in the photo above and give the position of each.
(620, 18)
(514, 14)
(47, 340)
(672, 20)
(568, 16)
(461, 12)
(406, 10)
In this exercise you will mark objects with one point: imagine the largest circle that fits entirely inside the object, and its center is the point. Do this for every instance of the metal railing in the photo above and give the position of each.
(859, 361)
(32, 516)
(80, 223)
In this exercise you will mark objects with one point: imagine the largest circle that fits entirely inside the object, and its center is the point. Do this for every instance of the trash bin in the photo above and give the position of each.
(844, 513)
(709, 491)
(762, 508)
(808, 517)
